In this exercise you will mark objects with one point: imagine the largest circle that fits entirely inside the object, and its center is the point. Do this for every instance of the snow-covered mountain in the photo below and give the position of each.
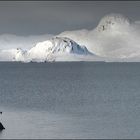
(111, 21)
(54, 49)
(116, 38)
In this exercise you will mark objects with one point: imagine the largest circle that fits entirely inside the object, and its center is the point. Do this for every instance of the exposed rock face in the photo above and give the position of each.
(1, 127)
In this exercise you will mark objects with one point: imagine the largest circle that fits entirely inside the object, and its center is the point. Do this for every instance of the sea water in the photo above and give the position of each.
(70, 100)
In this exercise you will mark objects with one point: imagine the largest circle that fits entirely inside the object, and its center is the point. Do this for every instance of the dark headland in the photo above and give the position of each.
(1, 127)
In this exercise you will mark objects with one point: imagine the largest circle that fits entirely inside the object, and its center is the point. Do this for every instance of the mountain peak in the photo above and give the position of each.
(112, 20)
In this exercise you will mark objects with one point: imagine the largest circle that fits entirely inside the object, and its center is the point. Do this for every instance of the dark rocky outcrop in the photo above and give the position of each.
(1, 127)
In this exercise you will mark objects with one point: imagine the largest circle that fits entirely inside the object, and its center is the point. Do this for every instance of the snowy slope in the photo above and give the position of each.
(54, 49)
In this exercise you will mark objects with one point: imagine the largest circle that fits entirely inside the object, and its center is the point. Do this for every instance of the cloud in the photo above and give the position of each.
(9, 44)
(10, 41)
(115, 37)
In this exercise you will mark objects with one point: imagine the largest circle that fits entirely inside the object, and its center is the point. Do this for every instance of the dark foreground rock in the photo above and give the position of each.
(1, 126)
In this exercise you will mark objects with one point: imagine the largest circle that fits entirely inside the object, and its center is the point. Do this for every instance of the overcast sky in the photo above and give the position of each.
(33, 18)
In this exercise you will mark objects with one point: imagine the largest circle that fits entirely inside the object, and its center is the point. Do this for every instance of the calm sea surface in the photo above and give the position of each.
(70, 100)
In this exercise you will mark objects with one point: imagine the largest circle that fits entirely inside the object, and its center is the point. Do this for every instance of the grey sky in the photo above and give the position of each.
(36, 17)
